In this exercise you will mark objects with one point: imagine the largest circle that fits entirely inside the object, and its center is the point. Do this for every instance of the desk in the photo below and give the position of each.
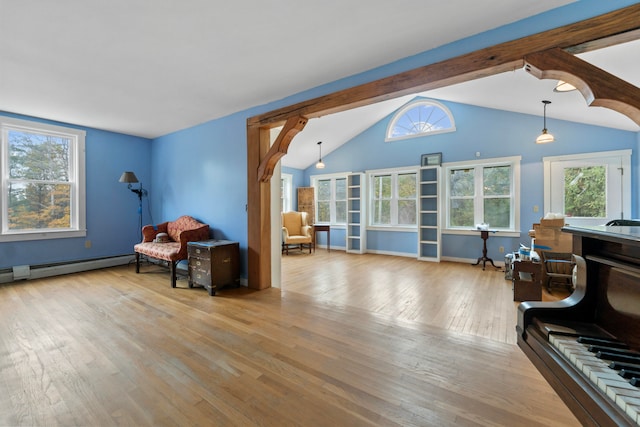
(327, 229)
(484, 235)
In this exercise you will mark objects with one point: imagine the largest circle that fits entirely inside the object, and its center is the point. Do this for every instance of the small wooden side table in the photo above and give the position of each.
(484, 235)
(327, 229)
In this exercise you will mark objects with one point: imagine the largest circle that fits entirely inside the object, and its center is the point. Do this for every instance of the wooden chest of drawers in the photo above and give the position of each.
(213, 264)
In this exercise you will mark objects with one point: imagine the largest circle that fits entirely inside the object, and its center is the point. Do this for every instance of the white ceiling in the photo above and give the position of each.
(152, 67)
(516, 91)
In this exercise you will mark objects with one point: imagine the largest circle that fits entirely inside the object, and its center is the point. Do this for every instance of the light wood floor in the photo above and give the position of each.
(453, 296)
(344, 343)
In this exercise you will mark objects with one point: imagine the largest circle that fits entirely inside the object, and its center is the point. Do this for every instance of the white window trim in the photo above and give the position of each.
(390, 171)
(514, 161)
(408, 107)
(287, 194)
(625, 155)
(333, 176)
(78, 207)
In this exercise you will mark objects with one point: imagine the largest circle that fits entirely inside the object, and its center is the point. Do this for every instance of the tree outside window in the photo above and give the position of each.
(39, 188)
(497, 196)
(331, 200)
(43, 178)
(394, 199)
(481, 194)
(585, 192)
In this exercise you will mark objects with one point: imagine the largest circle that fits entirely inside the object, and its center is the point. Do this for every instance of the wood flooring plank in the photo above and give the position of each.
(342, 343)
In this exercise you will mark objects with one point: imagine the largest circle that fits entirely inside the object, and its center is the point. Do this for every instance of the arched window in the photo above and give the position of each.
(419, 118)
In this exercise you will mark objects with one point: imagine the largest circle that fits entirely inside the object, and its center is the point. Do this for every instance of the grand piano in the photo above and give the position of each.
(584, 344)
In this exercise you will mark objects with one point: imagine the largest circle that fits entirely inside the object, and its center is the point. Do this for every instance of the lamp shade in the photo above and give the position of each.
(545, 137)
(128, 177)
(563, 86)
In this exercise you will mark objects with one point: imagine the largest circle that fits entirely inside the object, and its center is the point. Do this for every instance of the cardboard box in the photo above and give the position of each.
(552, 222)
(552, 239)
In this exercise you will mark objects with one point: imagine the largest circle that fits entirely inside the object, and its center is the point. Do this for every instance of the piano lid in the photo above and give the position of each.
(612, 233)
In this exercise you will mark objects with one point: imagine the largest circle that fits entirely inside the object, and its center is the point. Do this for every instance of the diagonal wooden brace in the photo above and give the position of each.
(280, 147)
(598, 87)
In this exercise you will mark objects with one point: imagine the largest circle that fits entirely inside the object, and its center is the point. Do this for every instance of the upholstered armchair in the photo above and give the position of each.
(296, 231)
(171, 246)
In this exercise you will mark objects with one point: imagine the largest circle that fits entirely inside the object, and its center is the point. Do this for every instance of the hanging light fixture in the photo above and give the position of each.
(320, 165)
(545, 137)
(563, 86)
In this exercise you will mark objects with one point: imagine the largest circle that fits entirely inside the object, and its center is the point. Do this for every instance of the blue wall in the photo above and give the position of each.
(494, 133)
(298, 180)
(202, 171)
(112, 210)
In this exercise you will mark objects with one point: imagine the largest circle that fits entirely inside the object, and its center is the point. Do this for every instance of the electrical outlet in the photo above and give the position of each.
(87, 244)
(536, 208)
(501, 249)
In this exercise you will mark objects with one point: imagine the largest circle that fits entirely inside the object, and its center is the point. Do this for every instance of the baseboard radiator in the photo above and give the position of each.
(25, 272)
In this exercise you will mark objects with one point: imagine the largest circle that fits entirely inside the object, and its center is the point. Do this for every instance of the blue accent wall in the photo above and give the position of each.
(298, 180)
(201, 171)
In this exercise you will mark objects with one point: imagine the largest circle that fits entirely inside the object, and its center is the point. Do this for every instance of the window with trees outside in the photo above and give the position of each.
(589, 188)
(419, 118)
(483, 193)
(331, 199)
(42, 181)
(393, 199)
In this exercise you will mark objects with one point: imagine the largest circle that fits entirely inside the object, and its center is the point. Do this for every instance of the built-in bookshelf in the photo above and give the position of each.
(428, 224)
(356, 233)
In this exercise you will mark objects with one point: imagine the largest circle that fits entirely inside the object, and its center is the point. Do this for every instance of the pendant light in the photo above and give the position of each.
(320, 165)
(545, 137)
(563, 86)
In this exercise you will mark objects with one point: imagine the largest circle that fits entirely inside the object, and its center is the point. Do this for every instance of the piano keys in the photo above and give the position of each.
(604, 310)
(597, 367)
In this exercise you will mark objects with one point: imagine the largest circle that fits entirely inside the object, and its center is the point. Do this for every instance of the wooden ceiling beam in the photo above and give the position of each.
(482, 63)
(598, 87)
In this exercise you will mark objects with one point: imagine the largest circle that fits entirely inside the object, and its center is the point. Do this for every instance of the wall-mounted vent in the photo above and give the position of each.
(21, 272)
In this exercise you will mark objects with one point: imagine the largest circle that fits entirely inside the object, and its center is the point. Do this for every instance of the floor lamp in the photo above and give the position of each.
(131, 178)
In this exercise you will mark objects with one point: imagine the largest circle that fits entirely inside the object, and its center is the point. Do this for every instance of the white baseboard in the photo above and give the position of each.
(402, 254)
(36, 272)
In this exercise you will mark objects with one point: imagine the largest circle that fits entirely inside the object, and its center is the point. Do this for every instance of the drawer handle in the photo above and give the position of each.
(197, 251)
(197, 262)
(226, 260)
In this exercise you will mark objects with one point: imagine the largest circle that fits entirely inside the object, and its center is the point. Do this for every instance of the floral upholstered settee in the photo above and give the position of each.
(174, 248)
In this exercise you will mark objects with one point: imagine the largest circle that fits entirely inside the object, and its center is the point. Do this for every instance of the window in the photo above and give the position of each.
(420, 118)
(331, 199)
(591, 188)
(483, 192)
(42, 181)
(286, 184)
(393, 198)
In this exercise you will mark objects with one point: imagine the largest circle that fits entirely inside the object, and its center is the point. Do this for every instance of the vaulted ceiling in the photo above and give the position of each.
(149, 68)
